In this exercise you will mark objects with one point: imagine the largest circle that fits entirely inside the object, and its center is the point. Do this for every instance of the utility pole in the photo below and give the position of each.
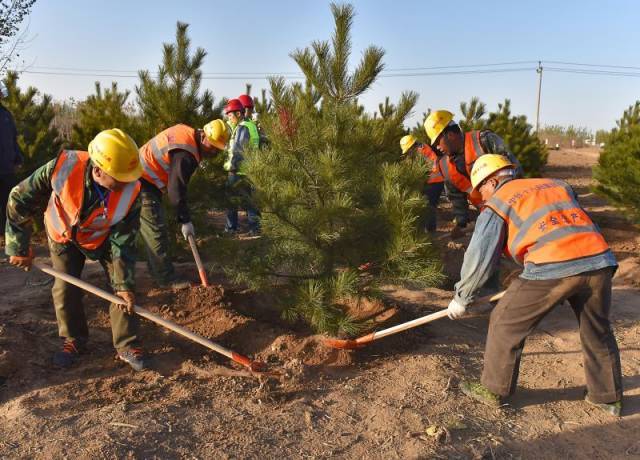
(539, 70)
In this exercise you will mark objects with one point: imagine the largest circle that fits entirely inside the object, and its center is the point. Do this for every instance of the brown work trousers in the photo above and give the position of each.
(522, 308)
(67, 301)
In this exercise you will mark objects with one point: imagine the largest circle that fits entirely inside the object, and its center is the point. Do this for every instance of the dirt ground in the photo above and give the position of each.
(397, 398)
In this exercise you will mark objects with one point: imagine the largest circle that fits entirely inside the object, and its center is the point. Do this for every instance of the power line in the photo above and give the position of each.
(593, 65)
(593, 72)
(471, 69)
(399, 69)
(263, 76)
(457, 72)
(495, 64)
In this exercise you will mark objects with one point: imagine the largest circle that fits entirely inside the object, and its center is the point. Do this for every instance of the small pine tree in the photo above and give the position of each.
(174, 96)
(473, 114)
(38, 139)
(339, 208)
(104, 110)
(519, 138)
(618, 170)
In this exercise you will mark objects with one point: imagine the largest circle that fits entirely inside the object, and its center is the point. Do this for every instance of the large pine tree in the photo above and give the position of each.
(174, 95)
(618, 170)
(339, 207)
(38, 139)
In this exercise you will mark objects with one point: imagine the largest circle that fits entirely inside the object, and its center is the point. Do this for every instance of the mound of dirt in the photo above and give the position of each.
(206, 311)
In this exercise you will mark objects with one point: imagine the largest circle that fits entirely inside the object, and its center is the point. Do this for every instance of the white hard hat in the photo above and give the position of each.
(3, 89)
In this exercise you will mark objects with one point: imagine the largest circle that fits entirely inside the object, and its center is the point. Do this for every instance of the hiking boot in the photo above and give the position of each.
(480, 393)
(612, 408)
(134, 357)
(71, 349)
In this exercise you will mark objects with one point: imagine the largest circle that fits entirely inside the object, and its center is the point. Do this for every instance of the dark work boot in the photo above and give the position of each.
(71, 349)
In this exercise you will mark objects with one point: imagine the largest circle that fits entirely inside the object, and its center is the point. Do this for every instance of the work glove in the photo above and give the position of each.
(188, 230)
(130, 299)
(23, 262)
(455, 310)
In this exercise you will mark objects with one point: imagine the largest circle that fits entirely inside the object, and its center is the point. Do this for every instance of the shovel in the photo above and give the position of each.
(253, 366)
(196, 255)
(351, 344)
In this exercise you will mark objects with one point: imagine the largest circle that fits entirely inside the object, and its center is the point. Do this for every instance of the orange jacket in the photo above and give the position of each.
(435, 176)
(472, 150)
(62, 216)
(545, 223)
(154, 155)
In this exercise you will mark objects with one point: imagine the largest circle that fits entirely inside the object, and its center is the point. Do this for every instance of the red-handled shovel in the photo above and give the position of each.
(350, 344)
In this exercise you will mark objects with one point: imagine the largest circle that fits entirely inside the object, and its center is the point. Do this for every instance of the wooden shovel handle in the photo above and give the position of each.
(428, 318)
(147, 314)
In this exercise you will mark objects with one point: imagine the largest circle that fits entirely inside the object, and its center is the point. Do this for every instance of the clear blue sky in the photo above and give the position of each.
(257, 36)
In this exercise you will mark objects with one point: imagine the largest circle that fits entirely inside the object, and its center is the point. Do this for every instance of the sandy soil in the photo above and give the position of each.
(397, 398)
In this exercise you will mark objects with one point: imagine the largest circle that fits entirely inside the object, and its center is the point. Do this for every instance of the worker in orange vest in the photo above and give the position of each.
(168, 161)
(540, 224)
(459, 151)
(434, 185)
(93, 212)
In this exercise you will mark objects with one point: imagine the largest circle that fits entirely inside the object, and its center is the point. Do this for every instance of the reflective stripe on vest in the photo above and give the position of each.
(458, 180)
(155, 158)
(67, 197)
(545, 224)
(472, 149)
(230, 145)
(254, 136)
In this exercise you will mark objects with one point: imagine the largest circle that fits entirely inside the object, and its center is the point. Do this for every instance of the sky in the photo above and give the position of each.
(254, 38)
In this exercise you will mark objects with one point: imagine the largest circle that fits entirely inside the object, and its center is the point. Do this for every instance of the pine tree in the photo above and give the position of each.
(618, 170)
(339, 208)
(473, 114)
(519, 138)
(104, 110)
(175, 96)
(38, 139)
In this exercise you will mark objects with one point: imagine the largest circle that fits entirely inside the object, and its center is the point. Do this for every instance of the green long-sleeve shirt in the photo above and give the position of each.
(32, 195)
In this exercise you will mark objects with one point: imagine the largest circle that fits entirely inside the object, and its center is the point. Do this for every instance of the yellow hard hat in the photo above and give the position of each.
(217, 133)
(487, 165)
(113, 151)
(407, 142)
(436, 122)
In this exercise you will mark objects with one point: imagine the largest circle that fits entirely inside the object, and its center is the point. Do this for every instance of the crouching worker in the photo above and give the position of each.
(168, 161)
(540, 224)
(92, 211)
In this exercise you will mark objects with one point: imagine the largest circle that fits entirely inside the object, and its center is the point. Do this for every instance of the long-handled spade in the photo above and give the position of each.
(196, 255)
(350, 344)
(253, 366)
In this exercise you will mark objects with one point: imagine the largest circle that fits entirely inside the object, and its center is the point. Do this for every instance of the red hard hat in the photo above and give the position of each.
(234, 105)
(246, 100)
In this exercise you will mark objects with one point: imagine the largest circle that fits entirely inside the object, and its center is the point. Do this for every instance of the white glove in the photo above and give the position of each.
(455, 310)
(188, 230)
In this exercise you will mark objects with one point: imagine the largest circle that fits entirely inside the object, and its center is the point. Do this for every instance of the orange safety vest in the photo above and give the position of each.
(472, 150)
(435, 177)
(154, 155)
(545, 223)
(62, 216)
